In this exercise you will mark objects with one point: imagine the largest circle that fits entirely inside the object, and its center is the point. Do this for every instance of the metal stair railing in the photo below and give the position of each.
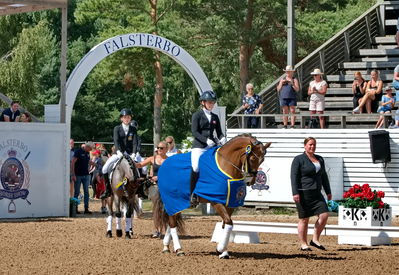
(340, 48)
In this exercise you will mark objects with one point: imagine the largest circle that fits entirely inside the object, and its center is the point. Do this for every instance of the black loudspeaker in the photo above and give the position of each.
(380, 147)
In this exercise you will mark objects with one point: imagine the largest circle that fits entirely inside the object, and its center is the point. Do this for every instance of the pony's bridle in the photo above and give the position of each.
(245, 170)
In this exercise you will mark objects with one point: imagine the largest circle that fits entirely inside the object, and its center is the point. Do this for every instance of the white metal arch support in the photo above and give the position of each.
(114, 44)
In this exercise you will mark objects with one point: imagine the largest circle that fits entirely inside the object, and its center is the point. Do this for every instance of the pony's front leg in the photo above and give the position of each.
(109, 218)
(118, 215)
(128, 220)
(228, 227)
(166, 240)
(173, 232)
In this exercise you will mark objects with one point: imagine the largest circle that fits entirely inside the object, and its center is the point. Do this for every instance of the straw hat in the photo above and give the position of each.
(289, 68)
(316, 72)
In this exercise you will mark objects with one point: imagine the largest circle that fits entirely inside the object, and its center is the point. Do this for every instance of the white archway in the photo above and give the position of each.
(114, 44)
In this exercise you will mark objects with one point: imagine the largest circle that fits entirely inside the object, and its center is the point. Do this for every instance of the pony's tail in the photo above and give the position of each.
(161, 218)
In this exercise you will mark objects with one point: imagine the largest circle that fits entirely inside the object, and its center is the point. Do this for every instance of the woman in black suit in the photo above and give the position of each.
(207, 132)
(308, 176)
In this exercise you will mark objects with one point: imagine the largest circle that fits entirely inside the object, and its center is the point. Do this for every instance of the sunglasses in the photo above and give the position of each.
(169, 142)
(160, 147)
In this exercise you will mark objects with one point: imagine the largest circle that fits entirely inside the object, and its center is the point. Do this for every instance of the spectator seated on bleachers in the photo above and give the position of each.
(373, 94)
(386, 105)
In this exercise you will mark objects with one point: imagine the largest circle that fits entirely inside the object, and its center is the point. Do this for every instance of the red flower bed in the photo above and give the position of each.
(362, 197)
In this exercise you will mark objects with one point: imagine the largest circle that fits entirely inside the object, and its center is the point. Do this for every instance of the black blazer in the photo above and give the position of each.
(202, 129)
(304, 176)
(125, 143)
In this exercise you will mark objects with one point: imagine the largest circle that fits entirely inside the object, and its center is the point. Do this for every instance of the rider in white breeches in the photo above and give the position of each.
(207, 133)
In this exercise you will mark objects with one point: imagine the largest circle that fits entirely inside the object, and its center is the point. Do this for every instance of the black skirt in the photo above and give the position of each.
(311, 203)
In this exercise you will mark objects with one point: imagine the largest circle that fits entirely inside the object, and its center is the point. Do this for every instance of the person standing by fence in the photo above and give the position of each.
(317, 91)
(287, 89)
(252, 104)
(80, 172)
(308, 176)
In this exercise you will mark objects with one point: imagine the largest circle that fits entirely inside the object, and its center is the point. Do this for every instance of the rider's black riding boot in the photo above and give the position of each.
(193, 183)
(108, 189)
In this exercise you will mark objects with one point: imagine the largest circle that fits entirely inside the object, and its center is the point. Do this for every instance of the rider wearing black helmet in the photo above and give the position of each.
(207, 133)
(125, 141)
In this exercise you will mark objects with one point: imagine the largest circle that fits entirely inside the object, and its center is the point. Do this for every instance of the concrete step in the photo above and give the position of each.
(339, 91)
(384, 40)
(338, 98)
(378, 52)
(338, 85)
(391, 22)
(349, 78)
(380, 59)
(366, 72)
(348, 106)
(381, 65)
(382, 47)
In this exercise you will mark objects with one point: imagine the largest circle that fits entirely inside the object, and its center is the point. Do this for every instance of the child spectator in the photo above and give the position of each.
(386, 105)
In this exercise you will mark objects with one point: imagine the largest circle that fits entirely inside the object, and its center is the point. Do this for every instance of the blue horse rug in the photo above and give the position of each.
(213, 184)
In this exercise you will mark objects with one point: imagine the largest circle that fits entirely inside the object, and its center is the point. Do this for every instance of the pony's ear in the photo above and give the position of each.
(267, 145)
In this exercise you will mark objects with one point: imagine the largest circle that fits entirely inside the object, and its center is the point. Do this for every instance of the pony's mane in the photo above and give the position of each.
(241, 136)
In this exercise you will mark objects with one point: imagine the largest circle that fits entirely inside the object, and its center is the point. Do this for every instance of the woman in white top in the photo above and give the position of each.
(317, 90)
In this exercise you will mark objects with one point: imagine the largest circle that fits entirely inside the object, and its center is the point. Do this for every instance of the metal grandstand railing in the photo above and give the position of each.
(340, 48)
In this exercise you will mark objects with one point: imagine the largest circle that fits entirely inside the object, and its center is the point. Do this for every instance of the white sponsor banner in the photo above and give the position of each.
(277, 187)
(33, 170)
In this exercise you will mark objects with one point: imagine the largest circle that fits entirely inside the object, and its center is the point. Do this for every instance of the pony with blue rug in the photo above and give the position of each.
(224, 174)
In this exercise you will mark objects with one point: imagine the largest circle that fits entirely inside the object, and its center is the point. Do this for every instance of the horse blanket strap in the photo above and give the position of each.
(213, 184)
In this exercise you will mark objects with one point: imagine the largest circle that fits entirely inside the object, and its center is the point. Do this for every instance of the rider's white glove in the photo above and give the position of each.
(119, 154)
(133, 156)
(210, 142)
(223, 140)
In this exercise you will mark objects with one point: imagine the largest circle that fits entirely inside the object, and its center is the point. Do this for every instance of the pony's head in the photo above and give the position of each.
(244, 154)
(255, 155)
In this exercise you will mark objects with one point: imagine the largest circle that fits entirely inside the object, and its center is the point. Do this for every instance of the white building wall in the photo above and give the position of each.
(352, 145)
(42, 160)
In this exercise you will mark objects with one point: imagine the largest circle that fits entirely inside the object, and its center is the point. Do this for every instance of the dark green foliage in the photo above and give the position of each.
(210, 30)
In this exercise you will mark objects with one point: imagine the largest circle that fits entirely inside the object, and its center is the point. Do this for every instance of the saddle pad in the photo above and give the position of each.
(217, 186)
(213, 184)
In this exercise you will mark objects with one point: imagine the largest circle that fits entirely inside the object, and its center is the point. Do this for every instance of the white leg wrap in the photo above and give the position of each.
(175, 238)
(109, 223)
(118, 223)
(140, 205)
(222, 245)
(224, 254)
(167, 238)
(128, 224)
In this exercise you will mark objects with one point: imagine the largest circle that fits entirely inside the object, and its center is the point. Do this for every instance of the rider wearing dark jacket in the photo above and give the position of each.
(207, 132)
(125, 141)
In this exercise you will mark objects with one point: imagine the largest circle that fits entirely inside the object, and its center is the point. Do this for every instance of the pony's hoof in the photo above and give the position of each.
(108, 234)
(224, 255)
(166, 251)
(127, 235)
(180, 253)
(119, 233)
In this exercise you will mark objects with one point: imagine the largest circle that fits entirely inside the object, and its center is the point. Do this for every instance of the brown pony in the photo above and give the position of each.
(124, 187)
(240, 159)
